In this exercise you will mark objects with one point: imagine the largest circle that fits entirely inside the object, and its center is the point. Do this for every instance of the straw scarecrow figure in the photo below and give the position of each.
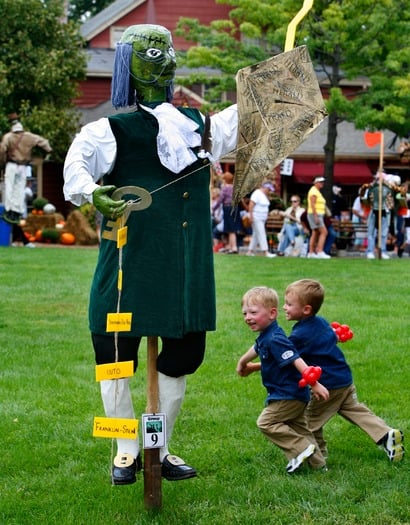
(168, 260)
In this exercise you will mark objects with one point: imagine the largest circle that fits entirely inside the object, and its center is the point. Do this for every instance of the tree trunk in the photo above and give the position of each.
(330, 150)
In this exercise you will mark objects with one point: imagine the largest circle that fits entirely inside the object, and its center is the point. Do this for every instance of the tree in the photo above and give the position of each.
(41, 61)
(83, 9)
(346, 39)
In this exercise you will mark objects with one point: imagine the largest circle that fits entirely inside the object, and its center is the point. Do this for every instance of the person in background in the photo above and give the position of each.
(283, 421)
(316, 342)
(316, 217)
(401, 209)
(360, 212)
(232, 223)
(219, 238)
(18, 235)
(331, 234)
(258, 210)
(17, 147)
(292, 225)
(386, 199)
(339, 205)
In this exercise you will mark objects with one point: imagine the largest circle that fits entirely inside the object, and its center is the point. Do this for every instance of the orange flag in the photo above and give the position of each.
(372, 139)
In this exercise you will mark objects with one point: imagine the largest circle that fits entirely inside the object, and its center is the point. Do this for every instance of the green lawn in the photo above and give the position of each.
(52, 471)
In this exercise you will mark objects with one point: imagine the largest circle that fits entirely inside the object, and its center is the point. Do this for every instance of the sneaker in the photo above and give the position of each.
(271, 255)
(297, 462)
(393, 444)
(30, 245)
(312, 255)
(370, 256)
(250, 254)
(322, 255)
(385, 256)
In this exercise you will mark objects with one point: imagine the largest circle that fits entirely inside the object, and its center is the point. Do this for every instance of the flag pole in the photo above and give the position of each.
(379, 229)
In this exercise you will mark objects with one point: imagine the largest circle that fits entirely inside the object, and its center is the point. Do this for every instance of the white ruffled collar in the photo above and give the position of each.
(176, 136)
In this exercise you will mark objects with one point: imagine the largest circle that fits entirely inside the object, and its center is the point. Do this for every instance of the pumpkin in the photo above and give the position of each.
(38, 236)
(67, 238)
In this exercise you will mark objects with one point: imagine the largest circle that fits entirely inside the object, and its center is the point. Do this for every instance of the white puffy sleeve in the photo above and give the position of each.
(90, 156)
(224, 131)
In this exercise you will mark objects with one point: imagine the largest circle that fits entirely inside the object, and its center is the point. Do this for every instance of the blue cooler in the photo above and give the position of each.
(5, 229)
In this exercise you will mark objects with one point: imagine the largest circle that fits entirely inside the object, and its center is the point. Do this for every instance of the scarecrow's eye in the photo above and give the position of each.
(152, 52)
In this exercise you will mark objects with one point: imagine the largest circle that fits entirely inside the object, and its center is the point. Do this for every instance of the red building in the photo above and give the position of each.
(355, 162)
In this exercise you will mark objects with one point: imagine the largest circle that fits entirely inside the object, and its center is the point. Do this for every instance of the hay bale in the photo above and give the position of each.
(78, 224)
(39, 222)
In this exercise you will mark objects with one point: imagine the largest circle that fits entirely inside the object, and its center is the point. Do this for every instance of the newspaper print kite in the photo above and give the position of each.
(279, 105)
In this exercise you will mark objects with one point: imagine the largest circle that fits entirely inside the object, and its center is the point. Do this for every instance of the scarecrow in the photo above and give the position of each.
(17, 147)
(163, 152)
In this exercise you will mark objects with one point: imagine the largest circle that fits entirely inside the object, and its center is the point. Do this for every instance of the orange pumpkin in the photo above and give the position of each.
(67, 238)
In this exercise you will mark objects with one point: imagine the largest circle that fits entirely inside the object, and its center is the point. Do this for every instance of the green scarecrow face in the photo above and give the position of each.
(153, 61)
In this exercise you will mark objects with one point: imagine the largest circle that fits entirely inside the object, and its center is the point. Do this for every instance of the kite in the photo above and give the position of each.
(279, 105)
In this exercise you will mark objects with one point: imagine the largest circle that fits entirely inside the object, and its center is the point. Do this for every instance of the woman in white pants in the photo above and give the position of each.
(258, 214)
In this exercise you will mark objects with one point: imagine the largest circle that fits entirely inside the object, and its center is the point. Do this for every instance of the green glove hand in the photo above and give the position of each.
(107, 206)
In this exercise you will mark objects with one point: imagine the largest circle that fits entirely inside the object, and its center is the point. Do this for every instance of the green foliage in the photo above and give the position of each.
(39, 203)
(55, 472)
(80, 10)
(50, 235)
(347, 40)
(218, 47)
(41, 62)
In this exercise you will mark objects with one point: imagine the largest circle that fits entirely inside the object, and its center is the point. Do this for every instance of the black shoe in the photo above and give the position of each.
(174, 468)
(124, 469)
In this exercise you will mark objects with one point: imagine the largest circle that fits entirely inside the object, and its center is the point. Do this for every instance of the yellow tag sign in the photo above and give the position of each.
(114, 370)
(122, 237)
(112, 427)
(119, 322)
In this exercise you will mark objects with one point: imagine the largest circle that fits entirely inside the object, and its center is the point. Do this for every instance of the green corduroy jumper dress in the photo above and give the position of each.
(167, 262)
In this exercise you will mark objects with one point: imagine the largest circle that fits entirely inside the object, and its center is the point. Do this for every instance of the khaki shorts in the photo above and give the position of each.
(313, 225)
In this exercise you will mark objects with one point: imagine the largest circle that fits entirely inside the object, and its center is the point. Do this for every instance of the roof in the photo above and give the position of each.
(350, 143)
(107, 17)
(100, 63)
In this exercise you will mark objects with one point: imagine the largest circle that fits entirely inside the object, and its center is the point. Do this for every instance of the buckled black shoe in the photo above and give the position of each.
(125, 468)
(174, 469)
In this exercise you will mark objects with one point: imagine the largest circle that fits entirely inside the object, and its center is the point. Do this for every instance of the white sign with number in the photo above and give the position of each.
(286, 167)
(153, 430)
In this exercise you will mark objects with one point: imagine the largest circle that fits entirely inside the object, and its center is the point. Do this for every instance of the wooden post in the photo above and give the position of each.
(380, 182)
(152, 465)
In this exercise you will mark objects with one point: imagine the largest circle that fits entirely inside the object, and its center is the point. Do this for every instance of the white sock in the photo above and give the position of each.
(116, 397)
(171, 396)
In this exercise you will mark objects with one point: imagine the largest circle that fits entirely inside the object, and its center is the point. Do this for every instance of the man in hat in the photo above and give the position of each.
(382, 200)
(167, 261)
(17, 147)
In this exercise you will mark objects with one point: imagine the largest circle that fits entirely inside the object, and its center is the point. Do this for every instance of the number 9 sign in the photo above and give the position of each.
(153, 430)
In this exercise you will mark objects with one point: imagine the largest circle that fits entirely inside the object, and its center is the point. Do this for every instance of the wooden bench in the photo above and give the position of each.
(346, 231)
(273, 226)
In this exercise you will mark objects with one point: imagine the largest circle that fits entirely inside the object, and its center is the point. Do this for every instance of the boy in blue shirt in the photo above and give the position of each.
(316, 342)
(283, 420)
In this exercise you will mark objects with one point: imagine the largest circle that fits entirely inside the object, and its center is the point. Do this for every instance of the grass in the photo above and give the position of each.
(54, 472)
